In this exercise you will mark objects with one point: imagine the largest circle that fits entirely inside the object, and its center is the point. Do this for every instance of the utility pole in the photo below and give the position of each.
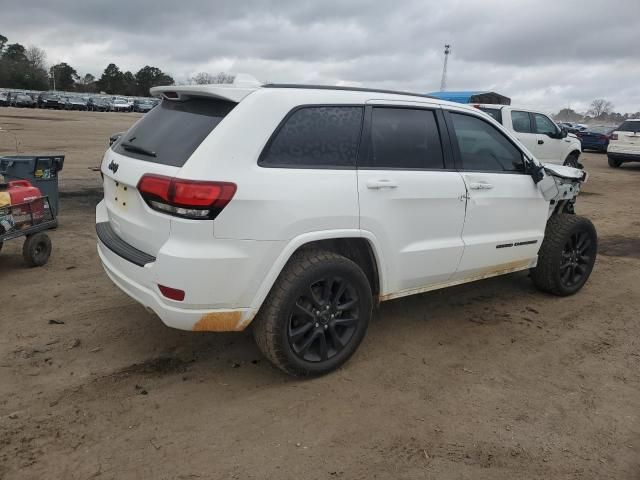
(53, 71)
(443, 82)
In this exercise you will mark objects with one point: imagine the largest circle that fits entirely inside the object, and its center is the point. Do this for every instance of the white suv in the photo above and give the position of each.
(624, 143)
(299, 208)
(548, 142)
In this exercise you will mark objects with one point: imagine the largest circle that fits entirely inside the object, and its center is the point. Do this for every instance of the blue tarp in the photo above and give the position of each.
(473, 97)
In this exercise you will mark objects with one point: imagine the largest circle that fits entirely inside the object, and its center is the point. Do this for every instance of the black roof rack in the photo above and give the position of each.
(349, 89)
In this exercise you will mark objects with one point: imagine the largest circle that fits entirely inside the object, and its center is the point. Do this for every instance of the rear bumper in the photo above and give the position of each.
(220, 277)
(181, 318)
(624, 157)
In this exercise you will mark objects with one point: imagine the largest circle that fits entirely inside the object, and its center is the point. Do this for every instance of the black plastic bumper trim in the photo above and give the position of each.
(121, 248)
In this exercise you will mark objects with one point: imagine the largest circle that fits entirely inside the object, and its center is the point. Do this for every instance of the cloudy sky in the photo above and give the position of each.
(547, 54)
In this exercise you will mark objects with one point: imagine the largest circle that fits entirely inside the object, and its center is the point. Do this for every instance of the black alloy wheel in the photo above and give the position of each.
(324, 319)
(577, 257)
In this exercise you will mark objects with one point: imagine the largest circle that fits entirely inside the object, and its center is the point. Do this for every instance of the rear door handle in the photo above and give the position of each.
(480, 186)
(378, 184)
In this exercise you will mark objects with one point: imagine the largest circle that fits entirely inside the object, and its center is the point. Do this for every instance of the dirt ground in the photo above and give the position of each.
(490, 380)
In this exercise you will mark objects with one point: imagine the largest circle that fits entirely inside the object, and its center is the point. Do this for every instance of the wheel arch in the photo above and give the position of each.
(359, 246)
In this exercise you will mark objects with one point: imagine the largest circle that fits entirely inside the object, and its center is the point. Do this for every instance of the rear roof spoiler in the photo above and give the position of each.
(242, 86)
(230, 93)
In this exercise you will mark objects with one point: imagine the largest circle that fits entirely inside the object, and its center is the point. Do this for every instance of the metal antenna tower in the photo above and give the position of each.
(443, 82)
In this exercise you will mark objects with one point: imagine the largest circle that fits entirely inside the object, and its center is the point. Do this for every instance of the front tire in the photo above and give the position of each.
(567, 255)
(316, 315)
(573, 161)
(614, 163)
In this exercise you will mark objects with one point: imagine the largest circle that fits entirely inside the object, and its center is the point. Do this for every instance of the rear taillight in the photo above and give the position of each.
(614, 136)
(186, 198)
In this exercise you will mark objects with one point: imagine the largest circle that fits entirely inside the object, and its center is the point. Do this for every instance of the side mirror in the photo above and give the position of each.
(563, 132)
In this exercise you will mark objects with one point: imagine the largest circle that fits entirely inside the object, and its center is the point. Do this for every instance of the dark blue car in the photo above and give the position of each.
(595, 138)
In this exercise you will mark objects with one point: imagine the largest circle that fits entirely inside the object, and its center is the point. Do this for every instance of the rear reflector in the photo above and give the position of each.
(172, 293)
(614, 136)
(186, 198)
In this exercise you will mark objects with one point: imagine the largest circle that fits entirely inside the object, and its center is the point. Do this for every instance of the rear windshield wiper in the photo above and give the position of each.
(137, 149)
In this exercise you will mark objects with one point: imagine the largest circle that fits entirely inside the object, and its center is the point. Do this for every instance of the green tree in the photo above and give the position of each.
(15, 52)
(64, 76)
(3, 42)
(130, 87)
(87, 83)
(112, 79)
(17, 70)
(148, 77)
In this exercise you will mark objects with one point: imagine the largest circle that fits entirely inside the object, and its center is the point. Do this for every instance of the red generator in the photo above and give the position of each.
(26, 202)
(24, 212)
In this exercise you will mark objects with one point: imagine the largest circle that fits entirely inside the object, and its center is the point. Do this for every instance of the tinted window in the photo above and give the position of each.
(174, 130)
(494, 112)
(629, 127)
(520, 121)
(544, 125)
(317, 137)
(483, 147)
(404, 138)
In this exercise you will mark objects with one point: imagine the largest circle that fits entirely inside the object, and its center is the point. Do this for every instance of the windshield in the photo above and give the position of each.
(173, 130)
(600, 129)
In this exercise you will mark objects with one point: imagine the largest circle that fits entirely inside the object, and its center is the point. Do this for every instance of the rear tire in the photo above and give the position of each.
(316, 314)
(614, 163)
(36, 249)
(567, 255)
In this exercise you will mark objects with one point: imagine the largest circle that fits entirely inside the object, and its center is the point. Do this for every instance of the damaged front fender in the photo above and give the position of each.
(560, 186)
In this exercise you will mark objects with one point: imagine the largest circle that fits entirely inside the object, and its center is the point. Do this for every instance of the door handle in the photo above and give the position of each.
(480, 186)
(540, 142)
(378, 184)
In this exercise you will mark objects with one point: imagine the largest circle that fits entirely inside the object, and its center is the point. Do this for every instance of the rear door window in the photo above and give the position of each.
(521, 121)
(316, 137)
(172, 131)
(404, 138)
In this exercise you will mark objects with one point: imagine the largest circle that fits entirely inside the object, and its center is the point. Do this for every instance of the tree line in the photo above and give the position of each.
(600, 110)
(25, 68)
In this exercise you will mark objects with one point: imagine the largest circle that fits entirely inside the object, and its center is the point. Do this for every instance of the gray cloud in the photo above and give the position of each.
(543, 53)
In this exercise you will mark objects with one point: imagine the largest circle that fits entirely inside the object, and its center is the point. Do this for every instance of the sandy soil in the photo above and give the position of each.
(489, 380)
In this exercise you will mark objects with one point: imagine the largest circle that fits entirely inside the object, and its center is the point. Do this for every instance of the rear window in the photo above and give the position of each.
(173, 130)
(494, 112)
(629, 127)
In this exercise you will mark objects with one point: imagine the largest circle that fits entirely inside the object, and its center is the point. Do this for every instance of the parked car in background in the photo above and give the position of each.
(546, 140)
(424, 194)
(119, 104)
(4, 99)
(22, 100)
(49, 100)
(595, 138)
(142, 105)
(574, 128)
(98, 104)
(74, 103)
(624, 143)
